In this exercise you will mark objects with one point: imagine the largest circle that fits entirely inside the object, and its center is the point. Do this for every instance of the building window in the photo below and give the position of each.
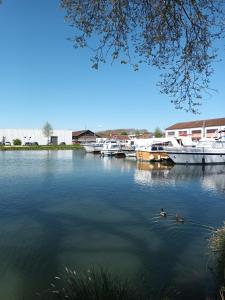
(196, 132)
(183, 133)
(211, 130)
(170, 133)
(210, 133)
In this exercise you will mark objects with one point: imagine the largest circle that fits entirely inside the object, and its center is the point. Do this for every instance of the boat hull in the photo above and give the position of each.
(197, 156)
(93, 149)
(151, 155)
(112, 153)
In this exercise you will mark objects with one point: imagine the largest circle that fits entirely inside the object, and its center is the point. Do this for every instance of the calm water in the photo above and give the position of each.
(67, 208)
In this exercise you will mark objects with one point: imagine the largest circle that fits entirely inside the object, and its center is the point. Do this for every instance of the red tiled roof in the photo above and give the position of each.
(197, 124)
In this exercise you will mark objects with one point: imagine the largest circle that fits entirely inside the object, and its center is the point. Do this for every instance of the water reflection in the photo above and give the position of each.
(21, 163)
(69, 208)
(211, 177)
(152, 173)
(110, 163)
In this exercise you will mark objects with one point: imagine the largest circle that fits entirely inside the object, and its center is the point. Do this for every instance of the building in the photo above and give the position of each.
(84, 136)
(35, 135)
(196, 130)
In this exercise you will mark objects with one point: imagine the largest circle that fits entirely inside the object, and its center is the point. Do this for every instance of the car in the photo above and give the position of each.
(35, 144)
(62, 144)
(28, 144)
(7, 144)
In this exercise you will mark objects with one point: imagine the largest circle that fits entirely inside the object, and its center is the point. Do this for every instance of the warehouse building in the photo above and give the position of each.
(196, 130)
(35, 136)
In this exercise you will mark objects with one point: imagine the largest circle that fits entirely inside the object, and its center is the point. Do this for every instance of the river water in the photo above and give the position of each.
(68, 208)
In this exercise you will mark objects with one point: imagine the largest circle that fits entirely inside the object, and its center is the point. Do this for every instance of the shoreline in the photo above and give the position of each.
(41, 147)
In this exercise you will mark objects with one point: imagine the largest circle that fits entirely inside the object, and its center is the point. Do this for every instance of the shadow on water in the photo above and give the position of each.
(97, 211)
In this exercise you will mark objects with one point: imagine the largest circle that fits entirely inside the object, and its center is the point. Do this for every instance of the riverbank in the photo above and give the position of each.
(41, 147)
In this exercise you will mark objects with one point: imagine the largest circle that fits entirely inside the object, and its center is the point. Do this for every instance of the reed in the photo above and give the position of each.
(93, 284)
(217, 246)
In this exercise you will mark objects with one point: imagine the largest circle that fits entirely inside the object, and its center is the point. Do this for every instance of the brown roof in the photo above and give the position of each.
(196, 124)
(78, 133)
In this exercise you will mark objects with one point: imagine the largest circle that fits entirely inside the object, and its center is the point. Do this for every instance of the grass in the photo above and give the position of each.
(100, 284)
(41, 147)
(93, 284)
(217, 246)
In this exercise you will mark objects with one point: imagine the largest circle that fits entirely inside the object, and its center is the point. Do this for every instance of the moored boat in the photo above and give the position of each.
(155, 150)
(130, 154)
(110, 148)
(93, 147)
(151, 153)
(207, 151)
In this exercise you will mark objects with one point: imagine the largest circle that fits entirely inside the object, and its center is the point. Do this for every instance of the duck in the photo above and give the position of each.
(179, 219)
(162, 213)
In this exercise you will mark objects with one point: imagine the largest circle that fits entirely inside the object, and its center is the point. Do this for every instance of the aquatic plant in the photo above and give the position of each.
(101, 284)
(217, 246)
(93, 284)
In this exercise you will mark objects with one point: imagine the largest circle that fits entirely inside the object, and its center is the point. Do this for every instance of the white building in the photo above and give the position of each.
(196, 130)
(35, 135)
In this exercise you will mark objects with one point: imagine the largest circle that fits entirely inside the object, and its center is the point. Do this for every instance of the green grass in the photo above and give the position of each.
(41, 147)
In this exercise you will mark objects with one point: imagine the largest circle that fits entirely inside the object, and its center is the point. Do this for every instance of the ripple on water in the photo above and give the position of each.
(60, 209)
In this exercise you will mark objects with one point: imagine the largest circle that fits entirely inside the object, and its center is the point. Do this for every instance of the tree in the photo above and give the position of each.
(175, 36)
(47, 131)
(17, 142)
(158, 132)
(123, 133)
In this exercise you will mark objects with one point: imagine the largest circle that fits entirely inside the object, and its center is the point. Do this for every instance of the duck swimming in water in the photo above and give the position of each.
(179, 219)
(162, 213)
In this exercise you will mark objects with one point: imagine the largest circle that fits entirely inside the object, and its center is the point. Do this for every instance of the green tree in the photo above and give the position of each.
(177, 37)
(17, 142)
(123, 133)
(47, 131)
(158, 132)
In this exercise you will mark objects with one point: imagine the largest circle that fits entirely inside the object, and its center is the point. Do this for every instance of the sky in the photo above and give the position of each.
(43, 78)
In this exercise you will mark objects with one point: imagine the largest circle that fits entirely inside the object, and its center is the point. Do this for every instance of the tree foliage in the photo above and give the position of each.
(17, 142)
(175, 36)
(158, 132)
(47, 130)
(123, 133)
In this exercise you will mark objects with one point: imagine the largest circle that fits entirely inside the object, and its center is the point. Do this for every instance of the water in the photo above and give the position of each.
(67, 208)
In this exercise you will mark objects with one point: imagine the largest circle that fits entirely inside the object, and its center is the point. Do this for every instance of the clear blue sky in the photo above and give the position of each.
(43, 78)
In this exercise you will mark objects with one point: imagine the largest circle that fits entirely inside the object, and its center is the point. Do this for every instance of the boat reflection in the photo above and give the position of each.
(121, 164)
(211, 177)
(152, 173)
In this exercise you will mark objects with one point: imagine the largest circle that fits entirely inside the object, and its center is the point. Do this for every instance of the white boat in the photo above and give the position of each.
(130, 154)
(111, 148)
(154, 149)
(93, 147)
(207, 151)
